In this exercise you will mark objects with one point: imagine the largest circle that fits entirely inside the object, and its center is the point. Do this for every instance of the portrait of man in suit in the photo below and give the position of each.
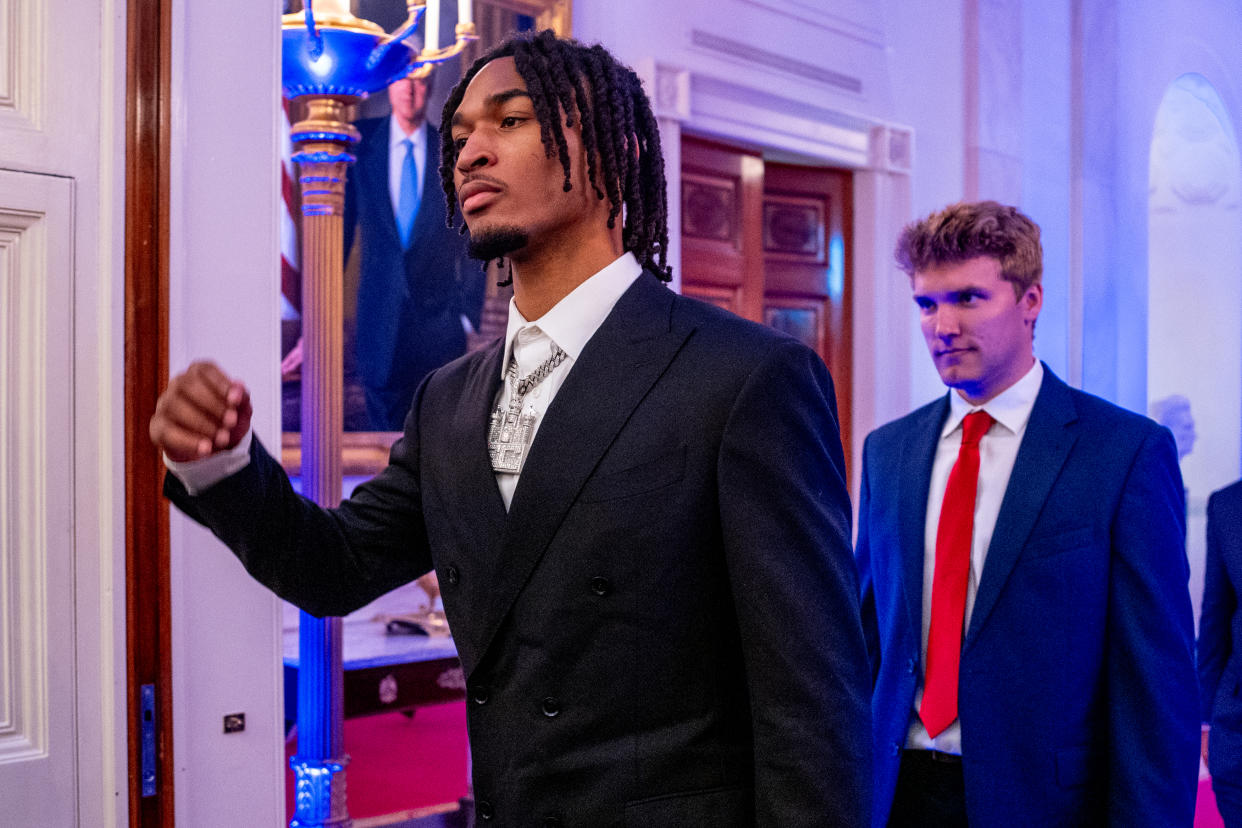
(635, 502)
(418, 292)
(1220, 657)
(1021, 547)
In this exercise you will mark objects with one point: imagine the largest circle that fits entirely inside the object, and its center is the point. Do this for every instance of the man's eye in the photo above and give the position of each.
(459, 144)
(925, 305)
(510, 121)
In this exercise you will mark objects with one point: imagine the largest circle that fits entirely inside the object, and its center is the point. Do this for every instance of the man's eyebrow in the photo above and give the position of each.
(493, 101)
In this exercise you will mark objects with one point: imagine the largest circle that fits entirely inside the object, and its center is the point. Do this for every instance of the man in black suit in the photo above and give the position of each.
(418, 292)
(635, 502)
(1220, 657)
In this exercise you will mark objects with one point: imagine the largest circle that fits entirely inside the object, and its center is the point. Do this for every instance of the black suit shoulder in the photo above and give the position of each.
(1226, 503)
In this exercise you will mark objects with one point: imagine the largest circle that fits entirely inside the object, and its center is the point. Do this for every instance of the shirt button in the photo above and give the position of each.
(484, 809)
(480, 694)
(452, 575)
(552, 822)
(551, 707)
(601, 586)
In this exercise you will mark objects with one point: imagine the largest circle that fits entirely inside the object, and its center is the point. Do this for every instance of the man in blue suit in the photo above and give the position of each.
(417, 289)
(1220, 658)
(1023, 569)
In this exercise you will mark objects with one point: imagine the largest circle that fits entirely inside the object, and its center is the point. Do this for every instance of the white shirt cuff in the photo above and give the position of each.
(199, 475)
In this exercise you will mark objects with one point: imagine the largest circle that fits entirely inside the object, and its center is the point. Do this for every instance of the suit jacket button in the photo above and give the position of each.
(484, 809)
(480, 694)
(896, 748)
(551, 707)
(911, 665)
(601, 586)
(452, 575)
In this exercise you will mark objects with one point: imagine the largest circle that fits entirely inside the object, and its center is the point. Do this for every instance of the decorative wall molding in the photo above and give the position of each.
(25, 705)
(814, 13)
(23, 53)
(736, 50)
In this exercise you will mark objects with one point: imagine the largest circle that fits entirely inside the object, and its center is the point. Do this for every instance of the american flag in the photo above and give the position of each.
(290, 261)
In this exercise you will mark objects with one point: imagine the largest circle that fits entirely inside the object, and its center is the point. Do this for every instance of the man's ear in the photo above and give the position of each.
(1032, 302)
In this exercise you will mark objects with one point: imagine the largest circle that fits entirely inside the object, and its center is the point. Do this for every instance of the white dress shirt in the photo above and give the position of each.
(570, 324)
(396, 159)
(1011, 409)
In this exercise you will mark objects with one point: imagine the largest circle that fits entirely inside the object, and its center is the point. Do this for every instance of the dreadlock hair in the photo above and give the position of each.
(619, 133)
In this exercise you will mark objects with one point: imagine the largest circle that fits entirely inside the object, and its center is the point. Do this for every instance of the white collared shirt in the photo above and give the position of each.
(1011, 409)
(396, 159)
(570, 324)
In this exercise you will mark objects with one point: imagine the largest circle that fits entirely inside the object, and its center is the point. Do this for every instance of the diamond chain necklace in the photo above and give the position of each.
(512, 430)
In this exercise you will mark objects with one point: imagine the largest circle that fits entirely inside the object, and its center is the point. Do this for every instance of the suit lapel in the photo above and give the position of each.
(476, 498)
(480, 494)
(1045, 446)
(917, 455)
(617, 368)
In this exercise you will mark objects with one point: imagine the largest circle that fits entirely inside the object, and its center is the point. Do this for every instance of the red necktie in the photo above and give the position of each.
(948, 604)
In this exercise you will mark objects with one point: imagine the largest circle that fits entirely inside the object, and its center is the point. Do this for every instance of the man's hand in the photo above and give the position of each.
(201, 412)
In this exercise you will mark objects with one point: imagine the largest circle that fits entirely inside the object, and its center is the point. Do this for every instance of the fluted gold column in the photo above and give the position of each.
(324, 138)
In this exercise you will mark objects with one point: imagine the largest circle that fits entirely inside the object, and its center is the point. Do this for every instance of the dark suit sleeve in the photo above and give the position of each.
(785, 517)
(1220, 602)
(862, 556)
(1151, 685)
(326, 561)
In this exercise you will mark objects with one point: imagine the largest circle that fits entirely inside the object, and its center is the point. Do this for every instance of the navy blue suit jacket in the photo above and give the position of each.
(410, 300)
(1076, 690)
(663, 630)
(1220, 630)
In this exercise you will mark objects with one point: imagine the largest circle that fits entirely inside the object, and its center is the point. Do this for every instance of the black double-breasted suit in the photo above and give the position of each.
(663, 630)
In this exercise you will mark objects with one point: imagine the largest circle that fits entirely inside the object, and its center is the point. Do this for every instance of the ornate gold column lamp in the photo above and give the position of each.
(331, 61)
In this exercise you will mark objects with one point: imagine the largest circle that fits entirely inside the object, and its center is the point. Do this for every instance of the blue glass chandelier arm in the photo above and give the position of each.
(384, 46)
(315, 46)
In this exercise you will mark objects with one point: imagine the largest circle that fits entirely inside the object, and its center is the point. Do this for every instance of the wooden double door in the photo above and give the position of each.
(771, 242)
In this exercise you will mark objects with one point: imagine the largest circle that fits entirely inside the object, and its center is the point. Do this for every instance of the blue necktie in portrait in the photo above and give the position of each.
(407, 198)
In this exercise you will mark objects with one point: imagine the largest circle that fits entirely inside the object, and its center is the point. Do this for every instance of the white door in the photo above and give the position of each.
(38, 716)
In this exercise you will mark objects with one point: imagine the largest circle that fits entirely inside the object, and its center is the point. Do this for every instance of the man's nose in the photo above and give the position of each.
(945, 324)
(474, 154)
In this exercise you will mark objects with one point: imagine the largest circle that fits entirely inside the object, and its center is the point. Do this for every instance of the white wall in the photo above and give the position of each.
(224, 305)
(1133, 54)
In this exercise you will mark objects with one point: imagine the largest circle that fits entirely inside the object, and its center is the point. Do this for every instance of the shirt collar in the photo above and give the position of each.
(396, 137)
(1011, 407)
(574, 320)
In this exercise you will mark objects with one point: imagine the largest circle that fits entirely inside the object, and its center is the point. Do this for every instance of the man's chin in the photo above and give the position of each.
(496, 242)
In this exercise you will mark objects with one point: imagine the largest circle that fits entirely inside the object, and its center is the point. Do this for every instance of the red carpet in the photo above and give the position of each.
(1206, 815)
(399, 764)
